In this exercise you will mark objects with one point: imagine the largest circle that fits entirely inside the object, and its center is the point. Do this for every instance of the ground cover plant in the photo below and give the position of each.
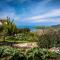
(9, 53)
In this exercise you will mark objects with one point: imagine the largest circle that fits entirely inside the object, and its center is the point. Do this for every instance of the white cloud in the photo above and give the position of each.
(10, 12)
(52, 13)
(53, 20)
(40, 18)
(50, 16)
(56, 20)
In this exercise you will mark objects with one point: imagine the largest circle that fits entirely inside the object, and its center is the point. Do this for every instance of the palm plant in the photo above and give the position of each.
(9, 27)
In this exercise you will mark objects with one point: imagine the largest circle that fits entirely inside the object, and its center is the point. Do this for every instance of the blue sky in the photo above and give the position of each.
(31, 12)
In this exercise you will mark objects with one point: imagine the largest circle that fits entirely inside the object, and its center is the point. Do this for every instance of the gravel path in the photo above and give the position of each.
(26, 45)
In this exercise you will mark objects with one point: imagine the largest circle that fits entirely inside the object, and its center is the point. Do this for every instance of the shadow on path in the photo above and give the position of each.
(7, 43)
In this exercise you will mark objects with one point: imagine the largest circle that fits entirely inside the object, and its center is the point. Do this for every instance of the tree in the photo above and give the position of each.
(9, 27)
(23, 30)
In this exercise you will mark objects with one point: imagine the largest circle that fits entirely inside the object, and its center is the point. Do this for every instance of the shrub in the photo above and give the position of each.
(18, 56)
(11, 53)
(23, 30)
(10, 38)
(50, 39)
(39, 54)
(26, 37)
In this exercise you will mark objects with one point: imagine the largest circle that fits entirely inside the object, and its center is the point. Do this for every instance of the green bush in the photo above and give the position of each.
(39, 54)
(18, 56)
(9, 53)
(23, 30)
(26, 37)
(10, 38)
(49, 39)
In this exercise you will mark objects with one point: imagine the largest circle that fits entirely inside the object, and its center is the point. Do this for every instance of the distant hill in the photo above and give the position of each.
(41, 27)
(46, 27)
(56, 26)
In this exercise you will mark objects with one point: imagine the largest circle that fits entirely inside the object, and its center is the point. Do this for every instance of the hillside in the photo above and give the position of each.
(56, 26)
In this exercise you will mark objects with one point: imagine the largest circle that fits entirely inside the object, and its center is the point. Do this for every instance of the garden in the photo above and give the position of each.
(10, 35)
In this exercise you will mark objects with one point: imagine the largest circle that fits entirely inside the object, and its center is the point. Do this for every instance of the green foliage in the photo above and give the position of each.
(41, 27)
(10, 32)
(18, 56)
(12, 38)
(9, 53)
(49, 39)
(23, 30)
(39, 54)
(9, 27)
(26, 37)
(1, 28)
(30, 37)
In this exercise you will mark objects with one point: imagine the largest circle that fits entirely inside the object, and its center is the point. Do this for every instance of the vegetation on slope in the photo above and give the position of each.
(9, 53)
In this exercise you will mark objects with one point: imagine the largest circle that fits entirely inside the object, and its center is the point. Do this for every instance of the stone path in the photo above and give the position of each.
(26, 45)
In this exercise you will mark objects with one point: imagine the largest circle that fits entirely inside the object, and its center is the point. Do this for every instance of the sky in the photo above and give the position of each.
(31, 12)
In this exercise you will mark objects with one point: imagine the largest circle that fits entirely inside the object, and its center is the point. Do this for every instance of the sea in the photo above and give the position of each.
(32, 29)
